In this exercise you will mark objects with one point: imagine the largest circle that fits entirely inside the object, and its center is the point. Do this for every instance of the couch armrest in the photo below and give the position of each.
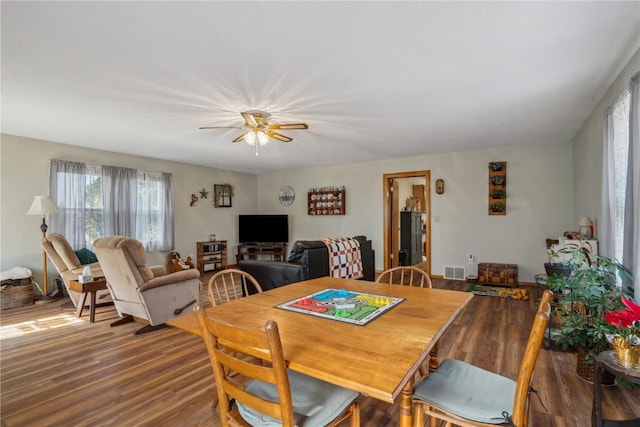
(158, 270)
(170, 279)
(273, 274)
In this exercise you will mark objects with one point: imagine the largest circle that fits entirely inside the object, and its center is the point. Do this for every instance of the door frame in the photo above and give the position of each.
(387, 180)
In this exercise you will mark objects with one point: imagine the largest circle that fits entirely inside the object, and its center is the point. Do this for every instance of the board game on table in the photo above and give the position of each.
(346, 306)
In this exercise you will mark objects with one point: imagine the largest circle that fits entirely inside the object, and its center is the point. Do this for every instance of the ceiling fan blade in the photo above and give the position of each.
(220, 127)
(251, 121)
(240, 138)
(279, 136)
(290, 126)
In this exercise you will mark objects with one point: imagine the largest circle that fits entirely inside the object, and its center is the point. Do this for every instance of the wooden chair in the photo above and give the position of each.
(462, 394)
(410, 276)
(545, 298)
(229, 284)
(273, 395)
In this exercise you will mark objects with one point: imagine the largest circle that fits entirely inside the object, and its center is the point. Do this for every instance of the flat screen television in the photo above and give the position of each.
(263, 229)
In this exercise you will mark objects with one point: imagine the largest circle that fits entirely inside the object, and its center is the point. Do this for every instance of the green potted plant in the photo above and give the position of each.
(582, 299)
(556, 266)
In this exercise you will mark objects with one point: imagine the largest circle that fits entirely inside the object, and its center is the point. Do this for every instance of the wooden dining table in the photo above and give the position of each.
(378, 359)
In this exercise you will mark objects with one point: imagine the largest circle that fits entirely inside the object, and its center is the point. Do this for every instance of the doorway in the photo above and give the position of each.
(406, 192)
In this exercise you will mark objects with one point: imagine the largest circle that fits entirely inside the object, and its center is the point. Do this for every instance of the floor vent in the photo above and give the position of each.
(454, 273)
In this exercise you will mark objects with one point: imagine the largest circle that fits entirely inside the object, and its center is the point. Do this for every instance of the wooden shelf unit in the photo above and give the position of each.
(274, 251)
(497, 188)
(329, 202)
(211, 255)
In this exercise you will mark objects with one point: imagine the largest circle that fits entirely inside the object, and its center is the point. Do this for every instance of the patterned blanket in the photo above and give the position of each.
(345, 259)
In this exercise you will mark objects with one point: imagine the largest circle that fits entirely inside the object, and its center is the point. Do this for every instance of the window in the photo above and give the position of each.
(95, 201)
(620, 115)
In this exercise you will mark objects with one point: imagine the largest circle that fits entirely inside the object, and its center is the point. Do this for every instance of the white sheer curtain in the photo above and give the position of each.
(67, 191)
(607, 226)
(631, 246)
(119, 200)
(154, 225)
(97, 201)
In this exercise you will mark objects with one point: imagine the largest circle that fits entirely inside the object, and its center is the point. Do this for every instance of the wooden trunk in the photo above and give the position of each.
(498, 274)
(17, 296)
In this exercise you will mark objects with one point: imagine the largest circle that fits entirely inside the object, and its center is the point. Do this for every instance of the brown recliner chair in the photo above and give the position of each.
(68, 265)
(139, 291)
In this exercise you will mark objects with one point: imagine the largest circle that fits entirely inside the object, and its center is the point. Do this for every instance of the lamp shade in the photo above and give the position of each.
(42, 205)
(585, 222)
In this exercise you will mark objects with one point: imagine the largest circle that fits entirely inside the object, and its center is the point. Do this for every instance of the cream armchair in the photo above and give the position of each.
(139, 291)
(68, 265)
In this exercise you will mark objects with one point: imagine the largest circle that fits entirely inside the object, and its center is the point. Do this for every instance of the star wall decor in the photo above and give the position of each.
(203, 194)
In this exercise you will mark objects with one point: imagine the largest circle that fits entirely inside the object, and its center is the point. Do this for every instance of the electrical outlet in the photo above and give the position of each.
(471, 258)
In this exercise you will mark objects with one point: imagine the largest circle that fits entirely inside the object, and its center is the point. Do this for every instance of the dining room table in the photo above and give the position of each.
(377, 359)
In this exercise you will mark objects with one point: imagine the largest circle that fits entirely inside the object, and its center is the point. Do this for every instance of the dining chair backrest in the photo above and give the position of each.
(258, 356)
(520, 415)
(545, 298)
(230, 284)
(410, 276)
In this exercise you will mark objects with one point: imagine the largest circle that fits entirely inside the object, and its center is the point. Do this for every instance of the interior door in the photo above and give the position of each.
(395, 224)
(392, 201)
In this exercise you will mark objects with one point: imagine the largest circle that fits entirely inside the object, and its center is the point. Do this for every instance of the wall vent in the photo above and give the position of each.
(454, 273)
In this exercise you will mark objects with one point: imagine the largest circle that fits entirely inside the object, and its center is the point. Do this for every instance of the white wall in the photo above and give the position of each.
(24, 173)
(539, 177)
(539, 204)
(587, 151)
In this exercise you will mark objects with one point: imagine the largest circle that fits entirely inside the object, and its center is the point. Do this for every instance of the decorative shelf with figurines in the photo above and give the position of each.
(326, 201)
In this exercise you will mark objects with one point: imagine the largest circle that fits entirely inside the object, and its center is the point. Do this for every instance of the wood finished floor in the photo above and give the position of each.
(57, 370)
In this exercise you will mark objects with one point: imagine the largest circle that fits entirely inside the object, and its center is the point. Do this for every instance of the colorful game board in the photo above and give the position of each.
(345, 306)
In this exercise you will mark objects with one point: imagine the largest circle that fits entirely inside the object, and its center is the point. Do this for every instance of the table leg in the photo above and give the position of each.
(596, 408)
(405, 410)
(92, 308)
(433, 357)
(81, 301)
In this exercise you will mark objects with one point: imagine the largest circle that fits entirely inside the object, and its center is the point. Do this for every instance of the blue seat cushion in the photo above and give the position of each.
(468, 392)
(315, 402)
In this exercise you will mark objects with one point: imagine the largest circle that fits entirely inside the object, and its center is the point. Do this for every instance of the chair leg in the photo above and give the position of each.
(423, 371)
(126, 319)
(355, 415)
(149, 328)
(418, 415)
(214, 401)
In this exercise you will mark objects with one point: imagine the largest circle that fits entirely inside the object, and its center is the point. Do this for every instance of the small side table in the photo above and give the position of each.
(541, 282)
(98, 284)
(607, 361)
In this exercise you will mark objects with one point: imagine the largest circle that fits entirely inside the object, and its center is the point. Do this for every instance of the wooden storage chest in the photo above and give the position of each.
(497, 274)
(16, 293)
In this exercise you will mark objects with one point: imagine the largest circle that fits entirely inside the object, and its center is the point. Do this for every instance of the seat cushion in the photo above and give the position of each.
(468, 392)
(315, 402)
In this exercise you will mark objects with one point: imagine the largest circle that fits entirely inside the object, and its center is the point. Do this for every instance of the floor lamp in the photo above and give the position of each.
(42, 205)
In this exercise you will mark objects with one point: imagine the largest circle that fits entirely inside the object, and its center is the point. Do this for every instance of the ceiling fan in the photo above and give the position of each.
(258, 129)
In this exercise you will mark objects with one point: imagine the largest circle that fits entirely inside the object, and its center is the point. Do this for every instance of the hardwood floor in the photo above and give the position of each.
(58, 370)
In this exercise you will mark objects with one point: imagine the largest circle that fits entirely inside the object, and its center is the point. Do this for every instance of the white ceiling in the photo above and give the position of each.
(373, 80)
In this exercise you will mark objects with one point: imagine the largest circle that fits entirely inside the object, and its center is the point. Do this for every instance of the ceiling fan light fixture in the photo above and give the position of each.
(262, 138)
(250, 138)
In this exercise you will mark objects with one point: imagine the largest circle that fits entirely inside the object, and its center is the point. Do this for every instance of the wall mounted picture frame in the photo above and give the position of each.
(222, 195)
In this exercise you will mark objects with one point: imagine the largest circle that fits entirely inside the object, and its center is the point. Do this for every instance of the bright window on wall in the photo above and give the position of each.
(620, 157)
(96, 201)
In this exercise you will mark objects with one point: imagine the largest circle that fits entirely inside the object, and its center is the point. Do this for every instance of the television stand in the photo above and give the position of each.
(270, 251)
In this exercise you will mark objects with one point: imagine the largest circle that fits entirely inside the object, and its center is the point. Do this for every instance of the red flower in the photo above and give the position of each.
(626, 317)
